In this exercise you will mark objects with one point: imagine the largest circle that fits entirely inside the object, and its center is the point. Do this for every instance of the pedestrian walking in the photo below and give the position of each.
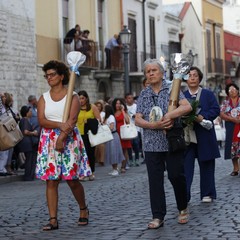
(157, 154)
(206, 147)
(61, 153)
(230, 112)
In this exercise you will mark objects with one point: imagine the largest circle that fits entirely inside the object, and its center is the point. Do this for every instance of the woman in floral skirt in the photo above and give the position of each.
(61, 153)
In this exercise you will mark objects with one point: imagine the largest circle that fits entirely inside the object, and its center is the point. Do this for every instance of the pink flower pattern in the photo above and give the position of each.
(70, 164)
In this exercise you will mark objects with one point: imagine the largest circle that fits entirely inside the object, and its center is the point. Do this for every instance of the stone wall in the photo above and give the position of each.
(18, 52)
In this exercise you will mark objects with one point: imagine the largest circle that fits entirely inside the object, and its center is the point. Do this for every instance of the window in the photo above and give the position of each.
(65, 21)
(152, 37)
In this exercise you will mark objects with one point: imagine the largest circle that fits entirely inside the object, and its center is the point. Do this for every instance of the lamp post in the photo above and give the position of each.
(125, 36)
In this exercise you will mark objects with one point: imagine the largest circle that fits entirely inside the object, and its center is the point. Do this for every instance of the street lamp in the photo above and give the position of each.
(125, 36)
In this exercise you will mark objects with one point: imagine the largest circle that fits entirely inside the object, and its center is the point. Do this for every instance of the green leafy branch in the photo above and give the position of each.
(190, 118)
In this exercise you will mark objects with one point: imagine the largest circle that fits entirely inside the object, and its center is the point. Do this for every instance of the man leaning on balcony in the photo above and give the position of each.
(108, 48)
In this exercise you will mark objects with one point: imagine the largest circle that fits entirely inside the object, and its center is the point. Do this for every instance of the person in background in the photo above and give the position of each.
(113, 42)
(26, 145)
(230, 112)
(100, 149)
(113, 151)
(131, 108)
(3, 154)
(32, 102)
(121, 116)
(61, 153)
(206, 149)
(68, 41)
(145, 83)
(87, 112)
(15, 115)
(157, 154)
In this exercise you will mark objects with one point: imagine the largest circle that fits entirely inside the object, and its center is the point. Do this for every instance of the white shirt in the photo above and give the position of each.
(54, 110)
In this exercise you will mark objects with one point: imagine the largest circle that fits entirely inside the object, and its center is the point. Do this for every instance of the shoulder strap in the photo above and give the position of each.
(199, 93)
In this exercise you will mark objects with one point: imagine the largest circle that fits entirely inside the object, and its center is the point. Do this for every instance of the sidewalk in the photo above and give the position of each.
(12, 178)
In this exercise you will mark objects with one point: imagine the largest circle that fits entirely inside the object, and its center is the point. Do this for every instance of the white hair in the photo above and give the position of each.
(153, 61)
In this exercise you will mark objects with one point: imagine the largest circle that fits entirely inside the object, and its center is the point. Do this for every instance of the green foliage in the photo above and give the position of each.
(190, 118)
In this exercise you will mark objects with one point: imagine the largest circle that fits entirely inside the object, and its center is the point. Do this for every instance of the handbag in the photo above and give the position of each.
(189, 135)
(128, 131)
(176, 141)
(10, 133)
(103, 135)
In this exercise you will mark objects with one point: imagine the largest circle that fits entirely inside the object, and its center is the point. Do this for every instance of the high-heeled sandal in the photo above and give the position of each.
(83, 221)
(183, 216)
(50, 226)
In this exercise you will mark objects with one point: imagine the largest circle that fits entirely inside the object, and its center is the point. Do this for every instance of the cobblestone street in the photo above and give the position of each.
(119, 209)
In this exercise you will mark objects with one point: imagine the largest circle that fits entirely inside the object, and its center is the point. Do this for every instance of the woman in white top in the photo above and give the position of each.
(60, 152)
(113, 150)
(100, 149)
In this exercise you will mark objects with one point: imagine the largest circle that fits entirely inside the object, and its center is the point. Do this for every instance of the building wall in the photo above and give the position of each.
(17, 50)
(193, 38)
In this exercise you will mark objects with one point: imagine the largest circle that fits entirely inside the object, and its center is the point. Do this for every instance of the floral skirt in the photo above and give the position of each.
(70, 164)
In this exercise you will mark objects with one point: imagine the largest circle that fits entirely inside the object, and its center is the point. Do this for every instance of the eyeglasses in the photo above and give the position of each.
(50, 75)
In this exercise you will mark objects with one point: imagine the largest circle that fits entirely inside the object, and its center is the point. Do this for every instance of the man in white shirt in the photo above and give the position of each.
(132, 107)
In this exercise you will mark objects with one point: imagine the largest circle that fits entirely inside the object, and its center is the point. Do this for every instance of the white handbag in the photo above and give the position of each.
(128, 131)
(189, 135)
(103, 135)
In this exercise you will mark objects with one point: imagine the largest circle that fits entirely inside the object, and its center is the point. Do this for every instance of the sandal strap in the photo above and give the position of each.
(52, 218)
(84, 208)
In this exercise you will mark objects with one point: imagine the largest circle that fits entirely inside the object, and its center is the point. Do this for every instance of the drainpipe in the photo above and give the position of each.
(144, 30)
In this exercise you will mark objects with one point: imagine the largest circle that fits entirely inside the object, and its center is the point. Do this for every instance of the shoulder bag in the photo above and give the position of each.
(128, 131)
(103, 135)
(10, 133)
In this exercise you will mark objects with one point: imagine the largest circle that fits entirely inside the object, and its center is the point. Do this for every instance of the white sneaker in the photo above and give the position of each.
(207, 199)
(137, 163)
(110, 173)
(115, 173)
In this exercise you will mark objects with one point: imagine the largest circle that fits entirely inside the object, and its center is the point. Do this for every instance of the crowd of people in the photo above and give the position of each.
(56, 150)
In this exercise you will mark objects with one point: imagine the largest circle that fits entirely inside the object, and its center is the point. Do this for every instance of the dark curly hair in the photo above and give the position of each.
(122, 101)
(60, 68)
(231, 85)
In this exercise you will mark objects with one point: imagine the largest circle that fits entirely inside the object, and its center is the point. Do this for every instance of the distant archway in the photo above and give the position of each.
(102, 91)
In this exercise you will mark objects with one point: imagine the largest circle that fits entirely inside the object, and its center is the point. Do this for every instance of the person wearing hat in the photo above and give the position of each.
(26, 145)
(205, 149)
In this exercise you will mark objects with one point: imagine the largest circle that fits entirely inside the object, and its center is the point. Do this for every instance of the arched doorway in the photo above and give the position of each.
(102, 91)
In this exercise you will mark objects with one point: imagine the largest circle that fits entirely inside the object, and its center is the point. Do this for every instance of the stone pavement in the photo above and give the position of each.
(119, 209)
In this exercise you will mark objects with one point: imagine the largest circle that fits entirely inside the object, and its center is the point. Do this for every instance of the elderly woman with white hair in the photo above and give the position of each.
(156, 149)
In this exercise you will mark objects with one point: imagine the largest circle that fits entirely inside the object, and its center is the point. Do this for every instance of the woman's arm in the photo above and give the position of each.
(183, 109)
(67, 127)
(226, 117)
(96, 112)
